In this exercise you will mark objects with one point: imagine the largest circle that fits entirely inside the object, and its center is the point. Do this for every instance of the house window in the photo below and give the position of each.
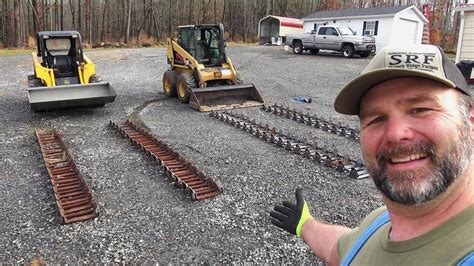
(370, 27)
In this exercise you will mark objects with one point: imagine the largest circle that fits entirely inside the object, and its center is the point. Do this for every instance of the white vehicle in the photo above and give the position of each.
(341, 39)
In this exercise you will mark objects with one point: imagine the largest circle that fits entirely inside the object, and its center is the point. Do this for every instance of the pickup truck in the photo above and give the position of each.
(341, 39)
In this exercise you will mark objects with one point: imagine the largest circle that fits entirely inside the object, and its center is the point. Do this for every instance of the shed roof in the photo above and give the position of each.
(356, 12)
(465, 7)
(285, 19)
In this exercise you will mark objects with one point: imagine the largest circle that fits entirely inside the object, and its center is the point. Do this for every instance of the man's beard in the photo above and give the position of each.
(413, 187)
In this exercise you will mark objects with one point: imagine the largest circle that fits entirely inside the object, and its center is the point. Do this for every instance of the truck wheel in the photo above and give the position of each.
(348, 51)
(185, 83)
(364, 54)
(297, 48)
(169, 83)
(314, 51)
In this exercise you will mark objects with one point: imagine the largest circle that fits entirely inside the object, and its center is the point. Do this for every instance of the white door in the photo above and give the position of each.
(405, 32)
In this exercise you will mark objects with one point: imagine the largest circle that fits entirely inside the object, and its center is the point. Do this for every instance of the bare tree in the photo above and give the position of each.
(62, 15)
(129, 16)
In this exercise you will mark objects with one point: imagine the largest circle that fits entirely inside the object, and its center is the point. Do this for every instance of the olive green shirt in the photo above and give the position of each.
(447, 244)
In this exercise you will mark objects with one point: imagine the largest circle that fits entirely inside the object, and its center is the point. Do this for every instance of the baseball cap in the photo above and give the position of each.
(425, 61)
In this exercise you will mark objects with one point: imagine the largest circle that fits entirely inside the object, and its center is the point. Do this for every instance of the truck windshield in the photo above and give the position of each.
(345, 31)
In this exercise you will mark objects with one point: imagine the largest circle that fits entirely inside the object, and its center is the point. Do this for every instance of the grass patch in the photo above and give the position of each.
(22, 51)
(241, 43)
(4, 52)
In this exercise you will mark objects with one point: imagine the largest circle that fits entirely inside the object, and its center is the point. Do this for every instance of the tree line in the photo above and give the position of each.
(149, 22)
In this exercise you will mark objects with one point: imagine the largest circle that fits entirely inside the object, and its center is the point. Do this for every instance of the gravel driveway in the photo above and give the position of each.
(142, 217)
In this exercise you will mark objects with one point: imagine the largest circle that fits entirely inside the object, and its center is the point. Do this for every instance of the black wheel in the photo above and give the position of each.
(348, 51)
(364, 54)
(33, 81)
(238, 79)
(298, 48)
(314, 51)
(95, 79)
(185, 83)
(169, 83)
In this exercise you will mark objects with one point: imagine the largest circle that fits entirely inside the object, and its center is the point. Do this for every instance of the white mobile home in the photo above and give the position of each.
(397, 25)
(273, 29)
(465, 49)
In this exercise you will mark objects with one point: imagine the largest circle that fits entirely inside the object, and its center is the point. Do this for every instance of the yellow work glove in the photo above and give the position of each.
(290, 216)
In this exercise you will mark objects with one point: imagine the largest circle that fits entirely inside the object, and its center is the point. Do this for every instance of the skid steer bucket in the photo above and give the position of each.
(70, 96)
(225, 97)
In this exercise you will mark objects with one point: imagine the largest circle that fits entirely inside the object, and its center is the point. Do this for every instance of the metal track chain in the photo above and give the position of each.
(73, 197)
(181, 171)
(313, 121)
(323, 156)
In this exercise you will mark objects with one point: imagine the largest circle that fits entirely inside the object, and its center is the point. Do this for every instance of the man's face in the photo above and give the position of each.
(414, 139)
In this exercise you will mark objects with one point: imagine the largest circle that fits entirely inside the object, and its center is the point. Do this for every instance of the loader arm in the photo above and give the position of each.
(232, 69)
(86, 70)
(41, 72)
(174, 47)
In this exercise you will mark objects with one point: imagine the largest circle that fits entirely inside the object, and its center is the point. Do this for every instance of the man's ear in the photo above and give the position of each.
(472, 122)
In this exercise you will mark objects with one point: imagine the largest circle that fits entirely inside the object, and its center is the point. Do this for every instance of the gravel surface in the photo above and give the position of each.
(142, 217)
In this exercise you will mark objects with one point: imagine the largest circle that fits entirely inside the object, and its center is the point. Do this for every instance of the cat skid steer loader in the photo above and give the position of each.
(199, 72)
(64, 77)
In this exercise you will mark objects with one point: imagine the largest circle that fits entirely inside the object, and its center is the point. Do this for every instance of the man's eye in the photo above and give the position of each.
(418, 110)
(376, 120)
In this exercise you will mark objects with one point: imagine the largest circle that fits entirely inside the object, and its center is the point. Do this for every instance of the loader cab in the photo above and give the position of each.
(204, 42)
(62, 52)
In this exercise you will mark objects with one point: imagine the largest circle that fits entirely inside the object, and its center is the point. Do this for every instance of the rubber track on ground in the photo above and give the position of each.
(323, 156)
(181, 171)
(72, 193)
(313, 121)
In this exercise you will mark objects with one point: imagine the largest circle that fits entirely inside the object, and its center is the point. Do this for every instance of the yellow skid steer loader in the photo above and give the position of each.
(199, 72)
(64, 77)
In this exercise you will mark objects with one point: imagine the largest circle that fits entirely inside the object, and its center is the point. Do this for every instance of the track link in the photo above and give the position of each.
(181, 171)
(72, 193)
(313, 121)
(320, 155)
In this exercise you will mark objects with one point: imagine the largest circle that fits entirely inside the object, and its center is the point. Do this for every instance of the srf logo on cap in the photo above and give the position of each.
(414, 61)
